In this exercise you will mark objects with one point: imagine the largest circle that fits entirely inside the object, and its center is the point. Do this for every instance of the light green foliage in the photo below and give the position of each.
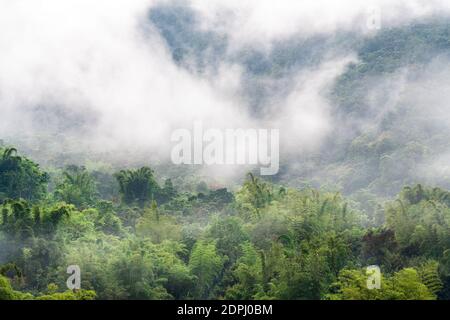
(263, 241)
(6, 291)
(77, 187)
(249, 274)
(421, 220)
(429, 273)
(70, 295)
(157, 227)
(254, 195)
(403, 285)
(229, 236)
(206, 265)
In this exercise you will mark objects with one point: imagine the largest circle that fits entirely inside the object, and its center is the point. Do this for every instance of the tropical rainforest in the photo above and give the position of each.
(85, 178)
(145, 239)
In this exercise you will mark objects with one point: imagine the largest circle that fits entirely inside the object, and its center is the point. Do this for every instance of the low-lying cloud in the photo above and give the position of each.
(104, 70)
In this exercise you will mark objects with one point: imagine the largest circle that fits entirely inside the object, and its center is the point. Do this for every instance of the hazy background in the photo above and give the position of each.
(358, 109)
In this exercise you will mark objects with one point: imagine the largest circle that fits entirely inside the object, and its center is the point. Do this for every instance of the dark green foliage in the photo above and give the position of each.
(137, 186)
(381, 248)
(167, 192)
(386, 53)
(20, 177)
(206, 265)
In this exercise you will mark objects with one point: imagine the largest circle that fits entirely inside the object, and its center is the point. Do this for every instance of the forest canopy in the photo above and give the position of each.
(261, 241)
(97, 201)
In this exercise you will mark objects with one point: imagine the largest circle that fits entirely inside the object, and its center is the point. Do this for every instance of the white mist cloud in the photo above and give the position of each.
(103, 61)
(306, 115)
(261, 21)
(94, 58)
(414, 102)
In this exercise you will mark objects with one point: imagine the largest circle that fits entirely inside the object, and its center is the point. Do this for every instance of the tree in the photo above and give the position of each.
(429, 273)
(70, 295)
(167, 193)
(379, 247)
(18, 220)
(137, 186)
(249, 275)
(157, 227)
(229, 236)
(403, 285)
(77, 187)
(6, 291)
(20, 177)
(206, 265)
(254, 194)
(419, 218)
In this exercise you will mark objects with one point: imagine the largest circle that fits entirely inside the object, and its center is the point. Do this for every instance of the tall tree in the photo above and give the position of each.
(77, 187)
(20, 177)
(137, 186)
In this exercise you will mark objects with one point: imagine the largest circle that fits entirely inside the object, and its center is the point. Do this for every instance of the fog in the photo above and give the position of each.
(100, 63)
(260, 21)
(100, 75)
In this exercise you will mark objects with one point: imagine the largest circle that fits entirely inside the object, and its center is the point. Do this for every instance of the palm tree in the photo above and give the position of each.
(9, 160)
(8, 153)
(137, 185)
(78, 187)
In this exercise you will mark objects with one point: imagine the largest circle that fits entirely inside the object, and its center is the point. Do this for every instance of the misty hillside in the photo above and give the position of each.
(382, 136)
(386, 140)
(91, 95)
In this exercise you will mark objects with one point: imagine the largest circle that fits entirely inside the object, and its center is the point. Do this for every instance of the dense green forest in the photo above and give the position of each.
(86, 179)
(142, 238)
